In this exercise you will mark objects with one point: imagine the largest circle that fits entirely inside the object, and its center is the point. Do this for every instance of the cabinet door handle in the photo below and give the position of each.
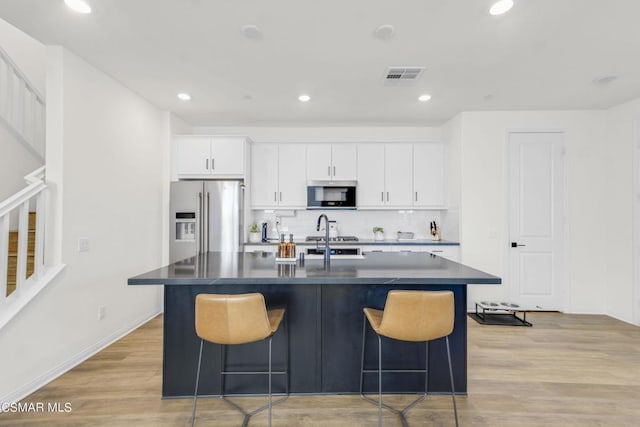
(206, 164)
(275, 196)
(281, 196)
(334, 171)
(213, 163)
(387, 196)
(416, 196)
(382, 196)
(436, 251)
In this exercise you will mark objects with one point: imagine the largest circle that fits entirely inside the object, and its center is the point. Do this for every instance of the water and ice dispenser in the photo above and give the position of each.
(186, 226)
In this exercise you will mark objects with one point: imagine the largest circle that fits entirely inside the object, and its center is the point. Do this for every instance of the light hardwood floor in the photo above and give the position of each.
(568, 370)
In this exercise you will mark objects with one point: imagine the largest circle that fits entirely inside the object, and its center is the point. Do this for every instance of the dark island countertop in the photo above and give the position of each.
(383, 268)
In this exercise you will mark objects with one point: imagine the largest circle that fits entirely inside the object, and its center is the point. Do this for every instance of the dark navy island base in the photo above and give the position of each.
(324, 310)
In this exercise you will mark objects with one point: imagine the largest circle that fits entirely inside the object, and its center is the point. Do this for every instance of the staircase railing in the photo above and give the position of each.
(22, 107)
(33, 196)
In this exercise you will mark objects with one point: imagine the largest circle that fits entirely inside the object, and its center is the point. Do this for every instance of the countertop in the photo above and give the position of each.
(366, 242)
(402, 268)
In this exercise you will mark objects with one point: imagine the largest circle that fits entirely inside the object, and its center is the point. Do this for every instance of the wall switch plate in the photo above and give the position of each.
(83, 244)
(102, 312)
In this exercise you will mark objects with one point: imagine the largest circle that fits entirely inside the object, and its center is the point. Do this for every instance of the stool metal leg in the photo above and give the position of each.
(195, 393)
(379, 382)
(453, 392)
(364, 334)
(270, 403)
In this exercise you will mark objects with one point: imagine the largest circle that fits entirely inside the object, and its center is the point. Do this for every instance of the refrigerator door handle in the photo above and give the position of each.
(208, 223)
(200, 205)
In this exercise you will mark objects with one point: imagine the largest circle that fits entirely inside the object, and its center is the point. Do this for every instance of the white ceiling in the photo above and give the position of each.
(543, 54)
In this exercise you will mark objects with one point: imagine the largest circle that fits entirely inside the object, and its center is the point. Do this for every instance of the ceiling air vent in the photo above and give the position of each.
(403, 73)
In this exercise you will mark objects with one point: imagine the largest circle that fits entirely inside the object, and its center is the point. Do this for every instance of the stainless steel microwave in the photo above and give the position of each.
(331, 195)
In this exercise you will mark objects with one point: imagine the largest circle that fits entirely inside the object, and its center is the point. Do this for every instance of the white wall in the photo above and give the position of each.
(106, 154)
(15, 160)
(27, 53)
(328, 134)
(622, 145)
(452, 135)
(483, 200)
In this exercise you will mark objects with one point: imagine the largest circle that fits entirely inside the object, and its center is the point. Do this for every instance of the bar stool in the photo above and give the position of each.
(238, 319)
(410, 316)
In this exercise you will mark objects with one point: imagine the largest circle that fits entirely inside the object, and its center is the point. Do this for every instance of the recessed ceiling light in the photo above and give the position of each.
(424, 97)
(384, 32)
(80, 6)
(183, 96)
(500, 7)
(251, 31)
(304, 98)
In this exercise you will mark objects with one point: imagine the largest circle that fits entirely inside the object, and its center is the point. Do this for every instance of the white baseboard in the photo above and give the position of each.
(629, 321)
(55, 372)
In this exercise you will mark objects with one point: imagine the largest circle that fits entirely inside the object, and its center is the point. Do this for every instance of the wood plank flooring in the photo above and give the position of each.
(567, 370)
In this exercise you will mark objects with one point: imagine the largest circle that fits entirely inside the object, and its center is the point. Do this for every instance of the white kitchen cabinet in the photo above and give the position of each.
(292, 187)
(335, 162)
(370, 192)
(278, 176)
(450, 252)
(199, 156)
(385, 177)
(264, 175)
(428, 175)
(398, 167)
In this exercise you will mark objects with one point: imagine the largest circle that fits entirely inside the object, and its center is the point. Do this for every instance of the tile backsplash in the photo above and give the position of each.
(360, 223)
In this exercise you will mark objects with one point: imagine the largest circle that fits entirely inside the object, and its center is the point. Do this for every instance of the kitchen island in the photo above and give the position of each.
(324, 308)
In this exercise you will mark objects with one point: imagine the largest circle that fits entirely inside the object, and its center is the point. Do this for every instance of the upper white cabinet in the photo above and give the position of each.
(335, 162)
(398, 175)
(370, 191)
(209, 156)
(385, 177)
(401, 175)
(428, 175)
(278, 176)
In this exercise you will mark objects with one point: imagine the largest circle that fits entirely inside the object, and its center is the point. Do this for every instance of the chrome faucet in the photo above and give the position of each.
(327, 249)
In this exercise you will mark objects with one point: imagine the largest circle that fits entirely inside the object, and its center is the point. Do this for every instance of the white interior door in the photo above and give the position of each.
(536, 215)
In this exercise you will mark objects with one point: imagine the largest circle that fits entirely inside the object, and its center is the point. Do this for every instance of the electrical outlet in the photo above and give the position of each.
(83, 244)
(102, 312)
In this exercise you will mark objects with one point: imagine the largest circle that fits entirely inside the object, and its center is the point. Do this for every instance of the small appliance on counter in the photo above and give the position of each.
(333, 229)
(406, 235)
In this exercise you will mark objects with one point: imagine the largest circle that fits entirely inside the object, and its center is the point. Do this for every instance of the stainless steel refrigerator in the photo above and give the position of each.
(206, 216)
